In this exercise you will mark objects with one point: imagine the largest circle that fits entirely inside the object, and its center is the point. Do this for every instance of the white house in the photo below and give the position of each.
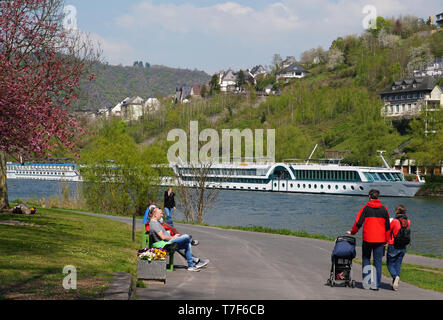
(293, 71)
(133, 108)
(228, 81)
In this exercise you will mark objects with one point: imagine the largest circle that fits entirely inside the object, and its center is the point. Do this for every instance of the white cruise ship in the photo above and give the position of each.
(43, 171)
(324, 177)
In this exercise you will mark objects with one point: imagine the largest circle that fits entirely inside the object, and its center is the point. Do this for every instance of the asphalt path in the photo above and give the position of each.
(258, 266)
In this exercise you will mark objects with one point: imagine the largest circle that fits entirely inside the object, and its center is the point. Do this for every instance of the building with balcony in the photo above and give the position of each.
(406, 98)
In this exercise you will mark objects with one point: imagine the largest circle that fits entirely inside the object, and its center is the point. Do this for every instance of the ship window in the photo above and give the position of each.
(292, 185)
(352, 187)
(361, 188)
(344, 187)
(304, 186)
(298, 185)
(329, 186)
(315, 186)
(309, 186)
(336, 187)
(321, 186)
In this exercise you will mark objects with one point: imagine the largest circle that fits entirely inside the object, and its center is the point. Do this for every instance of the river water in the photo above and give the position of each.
(322, 214)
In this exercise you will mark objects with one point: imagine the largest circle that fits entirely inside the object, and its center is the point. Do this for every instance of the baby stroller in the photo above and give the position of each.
(341, 257)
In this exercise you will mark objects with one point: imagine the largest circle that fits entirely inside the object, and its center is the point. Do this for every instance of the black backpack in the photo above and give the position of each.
(403, 237)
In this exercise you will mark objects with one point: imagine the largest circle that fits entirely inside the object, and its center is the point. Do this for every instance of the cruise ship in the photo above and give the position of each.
(318, 176)
(43, 171)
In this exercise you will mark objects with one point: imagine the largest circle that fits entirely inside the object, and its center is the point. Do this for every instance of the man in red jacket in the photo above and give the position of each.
(374, 218)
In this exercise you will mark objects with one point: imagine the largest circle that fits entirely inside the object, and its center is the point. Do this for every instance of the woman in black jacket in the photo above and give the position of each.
(169, 205)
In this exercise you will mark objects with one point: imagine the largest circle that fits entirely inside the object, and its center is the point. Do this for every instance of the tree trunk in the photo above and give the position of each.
(133, 227)
(4, 203)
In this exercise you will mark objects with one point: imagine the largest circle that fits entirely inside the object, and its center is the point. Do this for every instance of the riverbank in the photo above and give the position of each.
(431, 190)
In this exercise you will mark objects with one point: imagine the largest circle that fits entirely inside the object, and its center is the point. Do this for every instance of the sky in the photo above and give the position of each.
(218, 35)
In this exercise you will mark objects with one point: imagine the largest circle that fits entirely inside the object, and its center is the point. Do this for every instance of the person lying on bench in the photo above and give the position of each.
(158, 233)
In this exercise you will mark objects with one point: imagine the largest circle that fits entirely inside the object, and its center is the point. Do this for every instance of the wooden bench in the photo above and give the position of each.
(146, 243)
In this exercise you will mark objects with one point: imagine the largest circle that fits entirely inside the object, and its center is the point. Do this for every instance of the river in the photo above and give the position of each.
(322, 214)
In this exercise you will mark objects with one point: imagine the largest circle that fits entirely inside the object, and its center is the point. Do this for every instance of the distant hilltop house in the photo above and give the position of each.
(132, 108)
(228, 81)
(409, 166)
(257, 71)
(407, 98)
(433, 68)
(183, 93)
(292, 71)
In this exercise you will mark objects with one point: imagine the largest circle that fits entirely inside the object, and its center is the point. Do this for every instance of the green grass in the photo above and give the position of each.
(33, 256)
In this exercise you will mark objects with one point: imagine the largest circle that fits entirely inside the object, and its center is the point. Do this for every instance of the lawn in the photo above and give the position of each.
(35, 249)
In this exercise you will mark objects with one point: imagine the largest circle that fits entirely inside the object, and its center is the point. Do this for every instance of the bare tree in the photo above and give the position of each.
(198, 189)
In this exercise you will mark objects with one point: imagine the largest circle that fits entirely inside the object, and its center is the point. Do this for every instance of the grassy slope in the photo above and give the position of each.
(33, 256)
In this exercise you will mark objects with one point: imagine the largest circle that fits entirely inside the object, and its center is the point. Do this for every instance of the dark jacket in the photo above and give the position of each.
(169, 201)
(374, 218)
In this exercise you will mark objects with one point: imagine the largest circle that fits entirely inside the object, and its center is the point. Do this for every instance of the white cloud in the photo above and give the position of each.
(115, 51)
(228, 17)
(233, 33)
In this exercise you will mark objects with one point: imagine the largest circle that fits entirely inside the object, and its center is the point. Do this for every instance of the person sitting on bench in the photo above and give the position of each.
(158, 233)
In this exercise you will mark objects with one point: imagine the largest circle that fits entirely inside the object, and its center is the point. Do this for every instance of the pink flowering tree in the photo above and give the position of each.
(40, 66)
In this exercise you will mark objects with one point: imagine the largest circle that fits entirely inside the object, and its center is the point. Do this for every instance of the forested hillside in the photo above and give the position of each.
(111, 84)
(336, 106)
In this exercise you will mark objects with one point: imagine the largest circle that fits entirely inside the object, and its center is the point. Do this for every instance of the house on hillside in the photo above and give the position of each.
(151, 105)
(409, 166)
(133, 108)
(433, 68)
(293, 71)
(183, 93)
(439, 20)
(288, 61)
(228, 81)
(257, 71)
(406, 98)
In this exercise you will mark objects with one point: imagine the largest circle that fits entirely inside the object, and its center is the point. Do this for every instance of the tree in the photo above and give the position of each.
(427, 139)
(119, 177)
(241, 79)
(214, 85)
(335, 58)
(40, 67)
(197, 197)
(276, 61)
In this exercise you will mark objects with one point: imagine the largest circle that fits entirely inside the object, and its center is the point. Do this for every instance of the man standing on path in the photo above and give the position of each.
(374, 218)
(169, 205)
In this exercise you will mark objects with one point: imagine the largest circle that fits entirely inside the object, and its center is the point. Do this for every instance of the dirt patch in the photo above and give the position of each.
(90, 288)
(19, 223)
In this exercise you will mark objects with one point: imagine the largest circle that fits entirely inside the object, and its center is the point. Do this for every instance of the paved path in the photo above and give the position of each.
(247, 265)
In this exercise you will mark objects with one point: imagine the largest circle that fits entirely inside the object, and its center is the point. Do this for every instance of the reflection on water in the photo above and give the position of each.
(322, 214)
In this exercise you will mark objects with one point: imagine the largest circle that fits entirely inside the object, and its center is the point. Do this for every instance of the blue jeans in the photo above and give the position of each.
(184, 242)
(169, 212)
(394, 258)
(377, 250)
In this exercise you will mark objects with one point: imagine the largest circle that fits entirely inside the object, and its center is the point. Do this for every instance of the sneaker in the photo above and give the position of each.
(395, 283)
(193, 269)
(202, 263)
(194, 242)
